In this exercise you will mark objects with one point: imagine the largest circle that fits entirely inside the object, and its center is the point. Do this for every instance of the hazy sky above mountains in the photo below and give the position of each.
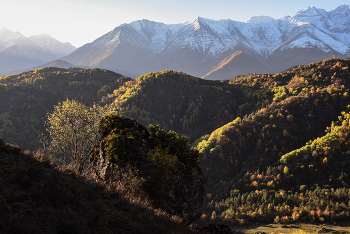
(82, 21)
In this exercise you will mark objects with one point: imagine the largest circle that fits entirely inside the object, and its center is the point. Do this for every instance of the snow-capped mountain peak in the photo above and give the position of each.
(341, 14)
(308, 11)
(9, 38)
(311, 13)
(196, 23)
(206, 40)
(343, 7)
(7, 35)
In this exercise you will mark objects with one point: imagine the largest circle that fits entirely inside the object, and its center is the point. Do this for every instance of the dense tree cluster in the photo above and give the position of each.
(157, 157)
(121, 138)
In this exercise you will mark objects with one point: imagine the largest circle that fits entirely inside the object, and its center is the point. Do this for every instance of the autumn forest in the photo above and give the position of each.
(273, 147)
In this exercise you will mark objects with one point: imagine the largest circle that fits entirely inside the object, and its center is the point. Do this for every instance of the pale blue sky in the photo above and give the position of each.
(81, 21)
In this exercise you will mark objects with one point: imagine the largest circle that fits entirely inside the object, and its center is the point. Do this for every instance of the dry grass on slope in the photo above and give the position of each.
(223, 63)
(37, 196)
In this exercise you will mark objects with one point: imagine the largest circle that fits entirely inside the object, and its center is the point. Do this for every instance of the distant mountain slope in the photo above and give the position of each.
(238, 63)
(54, 46)
(55, 63)
(197, 46)
(18, 52)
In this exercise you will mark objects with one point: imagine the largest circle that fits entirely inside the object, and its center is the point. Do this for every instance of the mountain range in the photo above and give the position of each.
(201, 47)
(18, 52)
(220, 49)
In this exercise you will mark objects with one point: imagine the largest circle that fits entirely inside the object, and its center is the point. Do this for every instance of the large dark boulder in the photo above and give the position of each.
(156, 164)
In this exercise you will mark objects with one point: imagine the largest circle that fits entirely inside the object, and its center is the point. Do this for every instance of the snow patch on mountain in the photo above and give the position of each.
(306, 41)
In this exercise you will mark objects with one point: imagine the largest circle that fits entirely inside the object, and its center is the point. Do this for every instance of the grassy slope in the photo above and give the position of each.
(38, 197)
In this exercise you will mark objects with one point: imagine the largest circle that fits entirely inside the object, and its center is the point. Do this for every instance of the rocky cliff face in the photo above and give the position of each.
(186, 191)
(128, 156)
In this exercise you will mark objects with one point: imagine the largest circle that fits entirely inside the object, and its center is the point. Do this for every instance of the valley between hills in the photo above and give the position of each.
(273, 147)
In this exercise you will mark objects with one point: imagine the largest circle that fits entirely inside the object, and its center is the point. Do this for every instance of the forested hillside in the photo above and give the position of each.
(274, 146)
(186, 104)
(28, 97)
(278, 161)
(272, 116)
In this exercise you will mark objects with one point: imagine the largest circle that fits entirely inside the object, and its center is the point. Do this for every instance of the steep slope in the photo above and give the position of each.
(39, 197)
(197, 46)
(237, 64)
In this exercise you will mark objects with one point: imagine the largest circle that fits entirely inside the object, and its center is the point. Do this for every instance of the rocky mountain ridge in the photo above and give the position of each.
(197, 46)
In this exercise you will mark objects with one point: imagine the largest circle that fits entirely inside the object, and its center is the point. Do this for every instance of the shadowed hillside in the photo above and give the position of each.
(37, 196)
(185, 104)
(27, 98)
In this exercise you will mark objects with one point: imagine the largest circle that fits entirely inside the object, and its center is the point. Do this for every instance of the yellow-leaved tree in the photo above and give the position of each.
(74, 131)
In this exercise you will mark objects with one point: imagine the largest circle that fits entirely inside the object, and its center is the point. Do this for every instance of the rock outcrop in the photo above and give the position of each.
(143, 162)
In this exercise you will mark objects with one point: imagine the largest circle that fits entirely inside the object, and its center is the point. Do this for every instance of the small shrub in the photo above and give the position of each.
(277, 219)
